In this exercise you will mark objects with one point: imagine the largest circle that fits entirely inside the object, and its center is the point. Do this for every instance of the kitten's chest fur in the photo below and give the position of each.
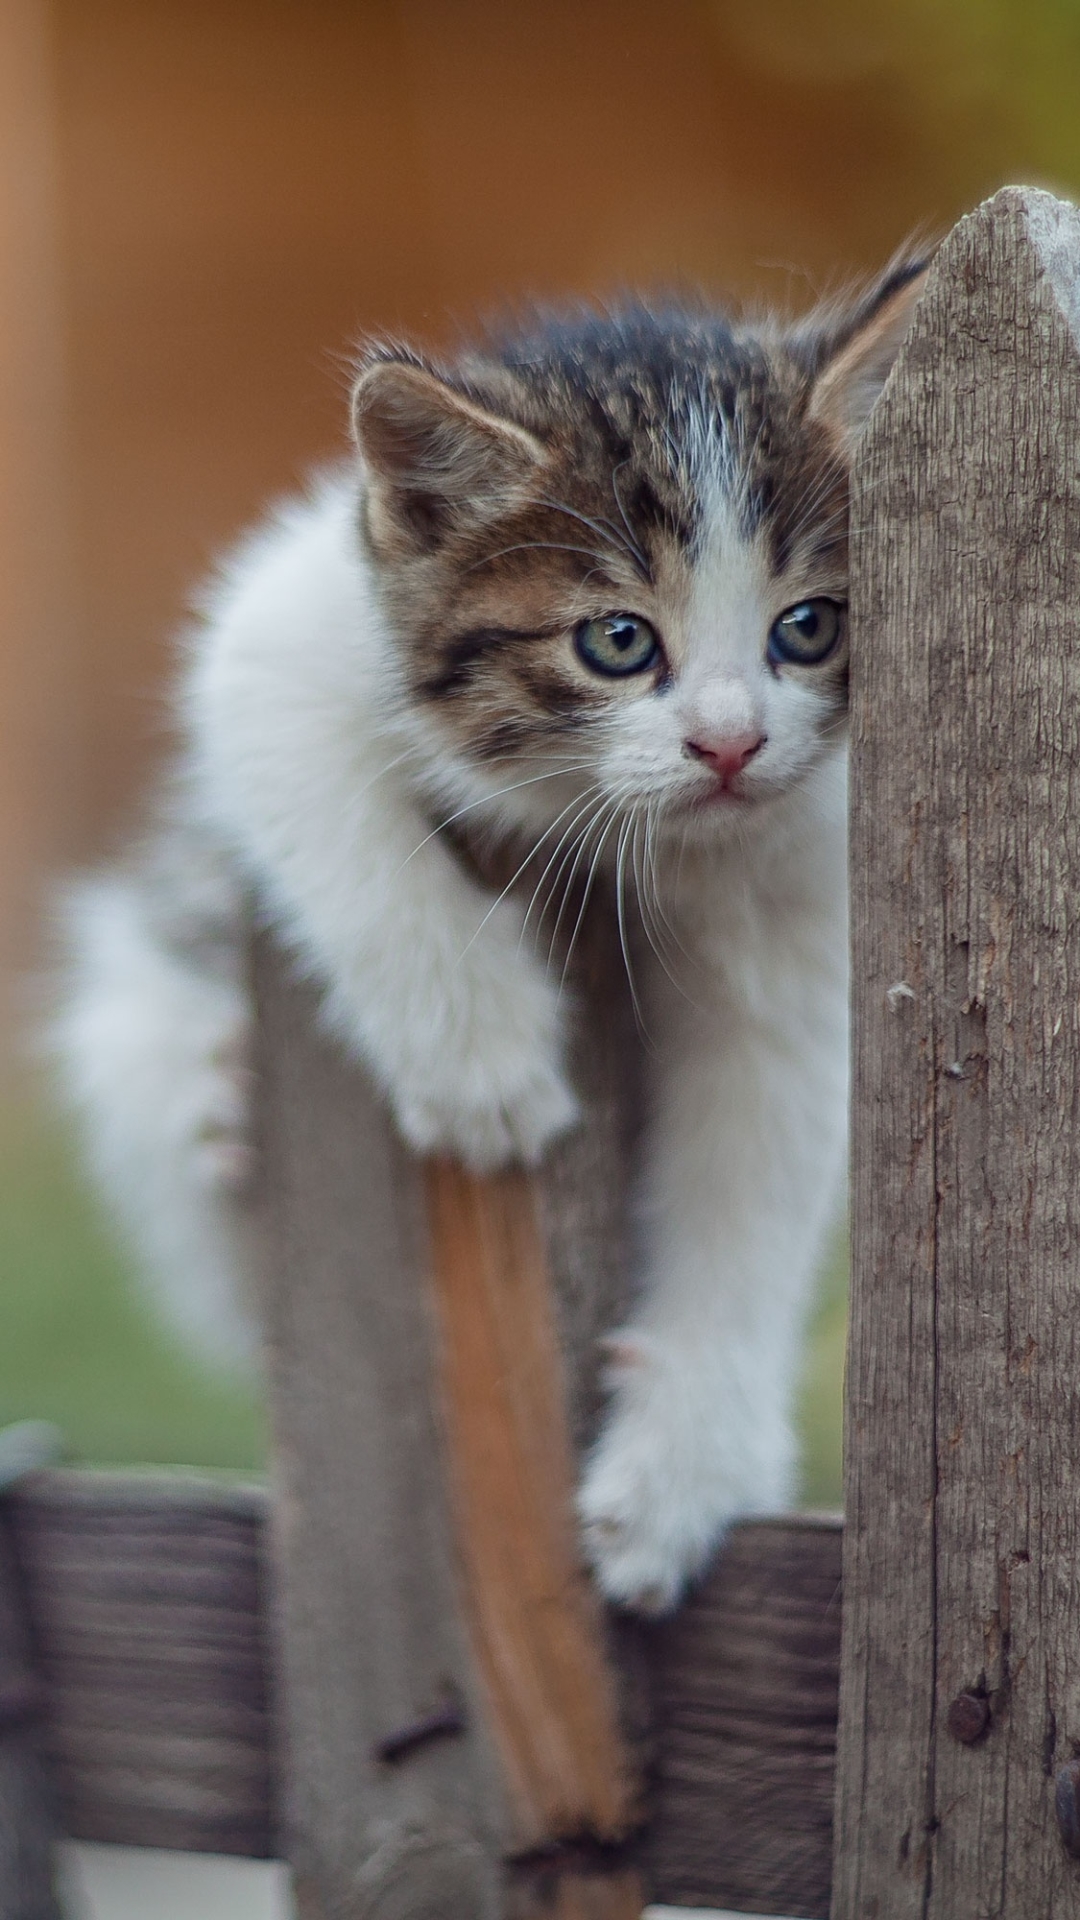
(746, 944)
(743, 939)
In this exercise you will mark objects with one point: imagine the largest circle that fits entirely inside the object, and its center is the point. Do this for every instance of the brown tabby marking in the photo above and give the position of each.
(623, 432)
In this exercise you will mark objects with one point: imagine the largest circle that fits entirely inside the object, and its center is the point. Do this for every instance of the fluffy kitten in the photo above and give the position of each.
(586, 586)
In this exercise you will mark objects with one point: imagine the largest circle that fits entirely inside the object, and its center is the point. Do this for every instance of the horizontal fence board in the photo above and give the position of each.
(745, 1693)
(28, 1823)
(147, 1597)
(148, 1601)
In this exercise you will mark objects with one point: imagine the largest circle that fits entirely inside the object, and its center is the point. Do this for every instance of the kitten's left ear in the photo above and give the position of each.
(435, 458)
(861, 358)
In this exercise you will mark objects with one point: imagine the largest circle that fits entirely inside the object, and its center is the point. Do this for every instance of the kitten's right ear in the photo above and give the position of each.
(435, 458)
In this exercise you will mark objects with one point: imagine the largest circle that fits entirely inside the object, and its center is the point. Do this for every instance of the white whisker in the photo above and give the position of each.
(535, 546)
(631, 541)
(587, 803)
(611, 804)
(620, 914)
(488, 799)
(603, 529)
(613, 814)
(515, 877)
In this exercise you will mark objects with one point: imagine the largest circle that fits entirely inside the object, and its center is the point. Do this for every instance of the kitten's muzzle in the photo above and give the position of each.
(726, 758)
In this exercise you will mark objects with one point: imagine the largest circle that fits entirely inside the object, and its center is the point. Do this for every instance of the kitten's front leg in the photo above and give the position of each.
(469, 1034)
(432, 981)
(746, 1150)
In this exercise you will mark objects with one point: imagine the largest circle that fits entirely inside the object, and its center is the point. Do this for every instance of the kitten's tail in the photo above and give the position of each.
(150, 1037)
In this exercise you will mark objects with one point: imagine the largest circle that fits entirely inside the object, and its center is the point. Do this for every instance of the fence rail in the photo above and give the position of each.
(148, 1595)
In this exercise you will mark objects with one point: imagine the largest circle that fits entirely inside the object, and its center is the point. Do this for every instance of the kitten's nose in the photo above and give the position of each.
(727, 757)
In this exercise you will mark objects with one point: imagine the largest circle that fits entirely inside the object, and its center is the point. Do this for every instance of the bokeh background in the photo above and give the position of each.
(203, 204)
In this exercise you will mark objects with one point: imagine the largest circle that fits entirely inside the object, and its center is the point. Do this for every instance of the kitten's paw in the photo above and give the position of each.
(658, 1492)
(642, 1552)
(643, 1543)
(516, 1123)
(493, 1091)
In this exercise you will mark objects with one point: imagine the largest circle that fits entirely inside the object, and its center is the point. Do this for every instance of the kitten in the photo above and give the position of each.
(586, 585)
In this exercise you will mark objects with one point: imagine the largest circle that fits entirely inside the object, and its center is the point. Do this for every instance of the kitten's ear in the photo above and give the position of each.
(861, 352)
(435, 458)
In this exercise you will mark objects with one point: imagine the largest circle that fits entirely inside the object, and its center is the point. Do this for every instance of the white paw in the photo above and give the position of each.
(490, 1088)
(511, 1120)
(661, 1486)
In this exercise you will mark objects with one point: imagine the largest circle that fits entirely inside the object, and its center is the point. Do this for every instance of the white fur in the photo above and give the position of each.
(150, 1050)
(744, 1163)
(321, 784)
(304, 770)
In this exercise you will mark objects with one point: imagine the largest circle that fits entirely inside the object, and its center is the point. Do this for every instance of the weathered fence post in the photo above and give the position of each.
(464, 1733)
(960, 1714)
(453, 1747)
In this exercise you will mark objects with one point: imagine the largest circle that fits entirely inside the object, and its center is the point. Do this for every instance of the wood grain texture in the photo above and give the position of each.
(147, 1600)
(148, 1594)
(745, 1680)
(534, 1618)
(963, 1421)
(369, 1633)
(28, 1810)
(149, 1603)
(402, 1416)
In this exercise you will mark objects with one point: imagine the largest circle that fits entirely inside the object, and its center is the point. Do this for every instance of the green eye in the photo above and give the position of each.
(616, 644)
(805, 634)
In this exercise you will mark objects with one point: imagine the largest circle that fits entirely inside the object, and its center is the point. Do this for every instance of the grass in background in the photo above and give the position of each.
(822, 1391)
(79, 1346)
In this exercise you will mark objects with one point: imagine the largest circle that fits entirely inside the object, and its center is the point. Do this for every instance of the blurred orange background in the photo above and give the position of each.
(202, 206)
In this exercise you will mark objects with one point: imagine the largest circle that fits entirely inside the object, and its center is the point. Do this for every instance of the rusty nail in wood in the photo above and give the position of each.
(1067, 1805)
(434, 1726)
(968, 1717)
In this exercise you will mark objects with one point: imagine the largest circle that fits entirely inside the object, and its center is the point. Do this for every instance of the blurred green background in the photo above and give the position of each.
(201, 207)
(78, 1345)
(81, 1347)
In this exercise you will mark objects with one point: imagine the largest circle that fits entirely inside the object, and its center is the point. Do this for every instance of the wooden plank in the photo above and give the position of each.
(745, 1679)
(534, 1618)
(149, 1602)
(963, 1423)
(28, 1824)
(369, 1636)
(390, 1386)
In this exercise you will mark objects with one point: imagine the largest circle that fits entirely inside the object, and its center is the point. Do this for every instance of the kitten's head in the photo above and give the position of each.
(613, 553)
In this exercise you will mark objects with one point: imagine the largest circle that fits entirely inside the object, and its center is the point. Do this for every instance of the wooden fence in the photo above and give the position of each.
(452, 1725)
(149, 1597)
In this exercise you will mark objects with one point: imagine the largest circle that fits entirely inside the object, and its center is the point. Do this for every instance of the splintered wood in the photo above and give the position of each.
(960, 1699)
(536, 1622)
(452, 1723)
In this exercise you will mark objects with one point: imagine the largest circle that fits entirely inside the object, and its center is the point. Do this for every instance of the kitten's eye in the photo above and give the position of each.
(618, 643)
(807, 633)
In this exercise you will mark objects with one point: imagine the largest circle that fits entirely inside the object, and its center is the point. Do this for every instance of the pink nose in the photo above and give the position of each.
(728, 757)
